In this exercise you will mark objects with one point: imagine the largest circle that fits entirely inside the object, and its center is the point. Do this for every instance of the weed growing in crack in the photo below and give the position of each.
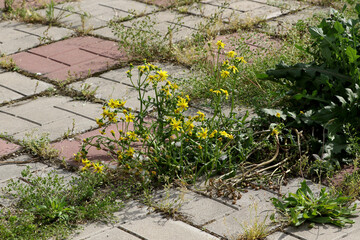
(39, 146)
(143, 40)
(49, 206)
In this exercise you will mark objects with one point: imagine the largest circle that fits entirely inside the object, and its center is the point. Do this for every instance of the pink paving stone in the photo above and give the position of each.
(74, 57)
(7, 148)
(36, 64)
(66, 45)
(78, 56)
(28, 3)
(107, 49)
(83, 69)
(68, 148)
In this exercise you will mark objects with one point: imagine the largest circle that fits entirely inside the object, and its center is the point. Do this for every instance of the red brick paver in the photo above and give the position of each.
(75, 57)
(68, 148)
(28, 3)
(7, 148)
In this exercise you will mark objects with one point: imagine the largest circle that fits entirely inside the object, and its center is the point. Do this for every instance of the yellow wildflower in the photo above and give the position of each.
(275, 132)
(225, 92)
(217, 92)
(240, 59)
(162, 75)
(225, 74)
(231, 54)
(203, 133)
(113, 103)
(189, 125)
(85, 161)
(98, 168)
(175, 124)
(233, 69)
(132, 135)
(130, 152)
(225, 63)
(182, 104)
(278, 115)
(220, 44)
(130, 117)
(99, 122)
(201, 115)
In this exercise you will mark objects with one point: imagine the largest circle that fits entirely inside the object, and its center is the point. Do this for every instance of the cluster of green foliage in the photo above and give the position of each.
(326, 91)
(48, 206)
(304, 205)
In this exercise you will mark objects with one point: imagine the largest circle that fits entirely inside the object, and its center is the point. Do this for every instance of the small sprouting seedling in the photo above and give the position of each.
(304, 206)
(84, 18)
(9, 5)
(40, 146)
(8, 63)
(256, 229)
(88, 91)
(169, 204)
(70, 131)
(45, 38)
(51, 17)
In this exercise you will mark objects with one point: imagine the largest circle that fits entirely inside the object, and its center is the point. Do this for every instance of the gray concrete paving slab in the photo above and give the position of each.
(53, 115)
(89, 230)
(14, 85)
(115, 84)
(283, 24)
(14, 170)
(153, 226)
(10, 124)
(113, 234)
(295, 183)
(280, 236)
(17, 36)
(183, 25)
(99, 13)
(255, 207)
(198, 209)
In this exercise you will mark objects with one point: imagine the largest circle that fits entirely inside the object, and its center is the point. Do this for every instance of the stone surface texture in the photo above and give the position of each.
(45, 68)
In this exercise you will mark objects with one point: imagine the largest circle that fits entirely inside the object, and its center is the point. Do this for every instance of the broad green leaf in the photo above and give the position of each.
(316, 32)
(352, 54)
(339, 28)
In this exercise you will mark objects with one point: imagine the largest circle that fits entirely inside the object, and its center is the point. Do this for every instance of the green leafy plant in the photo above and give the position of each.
(39, 145)
(304, 205)
(143, 40)
(172, 144)
(326, 91)
(49, 205)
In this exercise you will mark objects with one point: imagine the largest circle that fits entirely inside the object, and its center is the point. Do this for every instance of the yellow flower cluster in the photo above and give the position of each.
(87, 165)
(220, 44)
(203, 133)
(218, 92)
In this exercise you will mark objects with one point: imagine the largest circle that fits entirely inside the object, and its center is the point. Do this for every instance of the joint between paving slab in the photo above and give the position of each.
(120, 10)
(294, 235)
(77, 114)
(37, 54)
(33, 34)
(13, 90)
(225, 7)
(217, 200)
(25, 119)
(132, 233)
(98, 54)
